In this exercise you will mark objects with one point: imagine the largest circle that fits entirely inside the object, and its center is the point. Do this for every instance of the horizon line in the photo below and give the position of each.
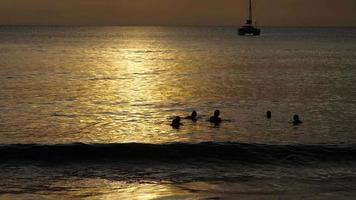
(265, 26)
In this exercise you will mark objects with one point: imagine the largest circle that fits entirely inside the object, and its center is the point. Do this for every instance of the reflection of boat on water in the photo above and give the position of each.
(248, 28)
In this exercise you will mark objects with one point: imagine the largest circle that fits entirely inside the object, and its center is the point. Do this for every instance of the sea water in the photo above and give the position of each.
(75, 99)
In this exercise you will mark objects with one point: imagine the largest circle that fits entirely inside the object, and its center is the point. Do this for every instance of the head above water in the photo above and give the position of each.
(296, 118)
(269, 114)
(216, 113)
(194, 114)
(176, 123)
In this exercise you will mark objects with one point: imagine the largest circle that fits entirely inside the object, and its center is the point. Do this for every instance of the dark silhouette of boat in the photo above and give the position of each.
(248, 28)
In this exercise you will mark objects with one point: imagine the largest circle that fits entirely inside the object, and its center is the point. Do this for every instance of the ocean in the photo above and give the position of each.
(85, 113)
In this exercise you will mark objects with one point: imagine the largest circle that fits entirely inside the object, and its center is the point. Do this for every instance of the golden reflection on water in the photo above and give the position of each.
(148, 190)
(137, 87)
(105, 190)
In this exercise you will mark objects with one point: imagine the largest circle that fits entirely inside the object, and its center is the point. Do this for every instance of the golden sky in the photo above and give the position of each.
(177, 12)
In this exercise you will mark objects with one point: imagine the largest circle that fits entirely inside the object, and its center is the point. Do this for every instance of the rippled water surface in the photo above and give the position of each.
(64, 85)
(117, 84)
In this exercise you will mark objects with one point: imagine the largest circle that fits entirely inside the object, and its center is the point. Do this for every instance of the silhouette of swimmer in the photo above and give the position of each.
(176, 123)
(269, 114)
(215, 119)
(193, 117)
(296, 120)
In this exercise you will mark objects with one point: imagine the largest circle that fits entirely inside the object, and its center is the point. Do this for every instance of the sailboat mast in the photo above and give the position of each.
(250, 12)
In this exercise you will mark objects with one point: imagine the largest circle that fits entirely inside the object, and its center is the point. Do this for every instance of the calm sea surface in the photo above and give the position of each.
(101, 85)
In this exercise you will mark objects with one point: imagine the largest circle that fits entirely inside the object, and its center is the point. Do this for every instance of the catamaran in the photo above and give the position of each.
(248, 28)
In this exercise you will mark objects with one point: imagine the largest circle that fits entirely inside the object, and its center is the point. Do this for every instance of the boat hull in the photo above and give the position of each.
(249, 31)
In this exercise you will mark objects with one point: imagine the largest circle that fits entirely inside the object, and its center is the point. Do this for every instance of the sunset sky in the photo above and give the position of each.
(177, 12)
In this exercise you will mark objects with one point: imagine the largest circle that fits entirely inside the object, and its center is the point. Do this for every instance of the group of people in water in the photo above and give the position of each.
(216, 120)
